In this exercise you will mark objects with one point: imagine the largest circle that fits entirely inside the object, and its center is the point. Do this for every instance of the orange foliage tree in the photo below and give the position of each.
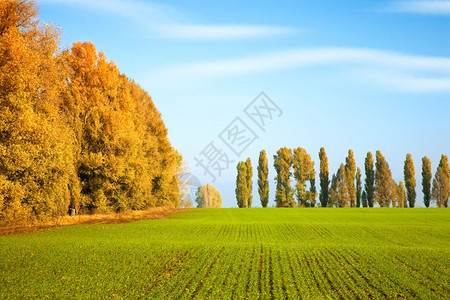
(74, 131)
(36, 166)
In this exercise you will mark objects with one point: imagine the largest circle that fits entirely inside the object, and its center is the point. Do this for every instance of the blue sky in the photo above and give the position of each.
(365, 75)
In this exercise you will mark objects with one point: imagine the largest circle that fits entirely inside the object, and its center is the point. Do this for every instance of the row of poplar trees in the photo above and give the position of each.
(74, 131)
(345, 188)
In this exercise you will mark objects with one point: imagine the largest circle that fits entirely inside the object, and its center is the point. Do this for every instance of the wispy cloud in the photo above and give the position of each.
(223, 31)
(406, 72)
(401, 81)
(163, 21)
(421, 7)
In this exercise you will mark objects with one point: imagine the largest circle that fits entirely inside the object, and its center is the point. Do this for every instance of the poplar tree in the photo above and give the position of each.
(324, 178)
(283, 163)
(426, 180)
(369, 185)
(441, 183)
(241, 185)
(304, 171)
(383, 181)
(401, 197)
(263, 179)
(249, 179)
(358, 187)
(350, 172)
(312, 188)
(339, 196)
(343, 196)
(364, 198)
(410, 180)
(333, 196)
(444, 164)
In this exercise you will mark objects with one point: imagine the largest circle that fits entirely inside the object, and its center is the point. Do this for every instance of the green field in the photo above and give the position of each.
(237, 253)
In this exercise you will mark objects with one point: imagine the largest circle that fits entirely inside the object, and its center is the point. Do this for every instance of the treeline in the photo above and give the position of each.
(345, 189)
(74, 131)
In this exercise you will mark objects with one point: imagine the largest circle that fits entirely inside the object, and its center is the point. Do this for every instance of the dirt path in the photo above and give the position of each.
(113, 218)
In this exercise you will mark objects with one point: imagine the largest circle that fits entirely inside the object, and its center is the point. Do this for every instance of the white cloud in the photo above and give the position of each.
(421, 7)
(223, 31)
(316, 56)
(406, 72)
(404, 82)
(165, 22)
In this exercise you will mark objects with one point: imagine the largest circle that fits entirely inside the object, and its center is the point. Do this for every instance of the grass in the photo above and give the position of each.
(237, 253)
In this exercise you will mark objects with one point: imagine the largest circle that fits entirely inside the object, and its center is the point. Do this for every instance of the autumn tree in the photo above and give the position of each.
(441, 183)
(241, 184)
(263, 179)
(358, 187)
(369, 185)
(304, 172)
(37, 178)
(332, 192)
(74, 131)
(339, 196)
(343, 195)
(324, 178)
(400, 194)
(249, 179)
(383, 181)
(426, 180)
(350, 173)
(124, 158)
(284, 191)
(444, 164)
(208, 196)
(410, 180)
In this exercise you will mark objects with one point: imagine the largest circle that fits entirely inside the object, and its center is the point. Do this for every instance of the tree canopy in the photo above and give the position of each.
(74, 131)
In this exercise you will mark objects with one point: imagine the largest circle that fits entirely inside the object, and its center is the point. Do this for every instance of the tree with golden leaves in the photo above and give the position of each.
(350, 173)
(384, 187)
(208, 196)
(441, 183)
(249, 179)
(263, 179)
(284, 192)
(241, 185)
(410, 180)
(37, 179)
(304, 172)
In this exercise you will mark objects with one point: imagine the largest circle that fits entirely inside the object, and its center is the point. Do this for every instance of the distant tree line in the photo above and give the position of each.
(74, 131)
(345, 188)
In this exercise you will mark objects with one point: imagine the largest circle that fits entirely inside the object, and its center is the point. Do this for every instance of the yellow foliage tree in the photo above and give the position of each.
(37, 179)
(74, 131)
